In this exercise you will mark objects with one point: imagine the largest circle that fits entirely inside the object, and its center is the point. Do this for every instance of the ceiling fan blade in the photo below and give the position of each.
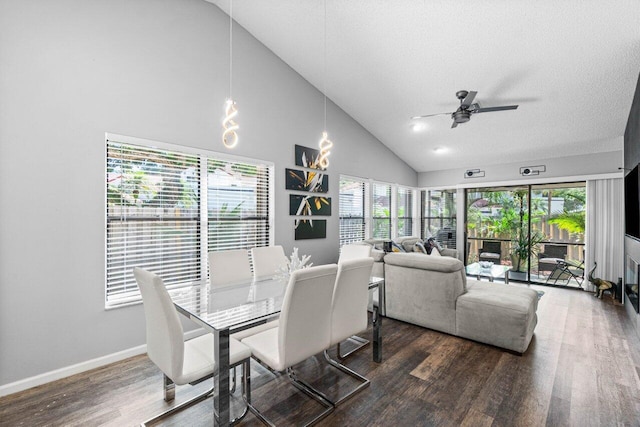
(489, 109)
(454, 124)
(468, 100)
(430, 115)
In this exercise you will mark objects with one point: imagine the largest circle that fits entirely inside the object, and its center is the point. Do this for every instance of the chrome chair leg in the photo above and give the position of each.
(362, 342)
(179, 407)
(365, 381)
(170, 392)
(169, 389)
(233, 382)
(300, 385)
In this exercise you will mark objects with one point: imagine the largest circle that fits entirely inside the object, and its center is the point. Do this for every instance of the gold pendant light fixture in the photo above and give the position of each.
(229, 135)
(325, 143)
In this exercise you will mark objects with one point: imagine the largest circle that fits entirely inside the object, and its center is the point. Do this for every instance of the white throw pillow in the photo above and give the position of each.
(435, 252)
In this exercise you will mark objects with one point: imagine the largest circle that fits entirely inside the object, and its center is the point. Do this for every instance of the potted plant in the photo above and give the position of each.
(523, 246)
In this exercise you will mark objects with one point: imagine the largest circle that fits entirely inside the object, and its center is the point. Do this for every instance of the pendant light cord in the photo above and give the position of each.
(230, 45)
(324, 83)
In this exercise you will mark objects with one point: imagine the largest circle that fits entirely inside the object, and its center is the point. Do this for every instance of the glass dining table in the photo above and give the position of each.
(224, 310)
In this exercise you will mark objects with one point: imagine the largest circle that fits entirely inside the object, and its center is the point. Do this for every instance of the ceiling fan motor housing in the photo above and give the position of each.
(461, 116)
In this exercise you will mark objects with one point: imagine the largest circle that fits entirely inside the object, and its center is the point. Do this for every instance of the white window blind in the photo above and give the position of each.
(405, 211)
(238, 205)
(352, 210)
(381, 209)
(155, 214)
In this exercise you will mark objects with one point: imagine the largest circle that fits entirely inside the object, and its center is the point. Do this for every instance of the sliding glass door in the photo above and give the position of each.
(535, 229)
(558, 259)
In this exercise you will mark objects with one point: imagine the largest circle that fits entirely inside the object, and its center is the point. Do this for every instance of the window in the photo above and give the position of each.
(156, 216)
(439, 216)
(405, 211)
(381, 209)
(352, 210)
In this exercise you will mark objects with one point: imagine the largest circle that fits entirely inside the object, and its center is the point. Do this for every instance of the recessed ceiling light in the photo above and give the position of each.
(417, 127)
(439, 150)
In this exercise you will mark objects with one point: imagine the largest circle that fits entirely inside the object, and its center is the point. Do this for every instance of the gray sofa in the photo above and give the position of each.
(435, 292)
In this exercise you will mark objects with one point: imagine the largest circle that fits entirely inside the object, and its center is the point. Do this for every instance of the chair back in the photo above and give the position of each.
(165, 337)
(492, 247)
(305, 319)
(267, 260)
(349, 252)
(227, 267)
(350, 299)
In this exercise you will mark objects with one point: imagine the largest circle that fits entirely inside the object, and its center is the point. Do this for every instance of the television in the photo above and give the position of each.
(632, 204)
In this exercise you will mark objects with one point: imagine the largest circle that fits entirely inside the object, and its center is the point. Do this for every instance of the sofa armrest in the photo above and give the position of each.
(453, 253)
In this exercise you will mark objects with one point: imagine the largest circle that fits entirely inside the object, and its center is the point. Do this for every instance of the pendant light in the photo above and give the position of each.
(325, 143)
(229, 135)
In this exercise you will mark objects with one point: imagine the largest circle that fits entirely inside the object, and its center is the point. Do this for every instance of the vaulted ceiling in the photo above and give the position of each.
(571, 66)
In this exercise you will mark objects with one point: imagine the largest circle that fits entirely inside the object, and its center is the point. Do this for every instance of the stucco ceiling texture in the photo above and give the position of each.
(571, 66)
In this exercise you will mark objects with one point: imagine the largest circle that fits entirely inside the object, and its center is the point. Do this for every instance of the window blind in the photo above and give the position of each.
(381, 207)
(156, 220)
(237, 205)
(352, 210)
(405, 211)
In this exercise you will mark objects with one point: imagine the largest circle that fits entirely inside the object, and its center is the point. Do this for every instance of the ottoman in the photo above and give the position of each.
(497, 314)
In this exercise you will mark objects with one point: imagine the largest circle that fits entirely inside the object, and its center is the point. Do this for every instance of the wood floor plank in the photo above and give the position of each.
(581, 369)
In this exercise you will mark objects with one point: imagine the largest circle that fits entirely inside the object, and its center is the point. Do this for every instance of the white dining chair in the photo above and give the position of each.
(349, 311)
(347, 253)
(267, 260)
(181, 362)
(354, 251)
(304, 330)
(227, 267)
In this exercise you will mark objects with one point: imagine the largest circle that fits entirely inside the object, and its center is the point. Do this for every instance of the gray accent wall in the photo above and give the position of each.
(155, 69)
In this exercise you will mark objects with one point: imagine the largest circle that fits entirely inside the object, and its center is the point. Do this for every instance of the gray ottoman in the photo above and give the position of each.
(497, 314)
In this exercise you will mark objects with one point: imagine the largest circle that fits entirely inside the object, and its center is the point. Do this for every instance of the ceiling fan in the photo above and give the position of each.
(467, 108)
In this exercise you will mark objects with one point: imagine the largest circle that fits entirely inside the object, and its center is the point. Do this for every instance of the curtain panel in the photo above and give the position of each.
(604, 230)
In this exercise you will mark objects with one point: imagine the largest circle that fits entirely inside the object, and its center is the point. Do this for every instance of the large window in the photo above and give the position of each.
(439, 216)
(381, 211)
(157, 212)
(352, 210)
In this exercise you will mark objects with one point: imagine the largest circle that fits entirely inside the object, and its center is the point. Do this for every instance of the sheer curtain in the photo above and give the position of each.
(605, 229)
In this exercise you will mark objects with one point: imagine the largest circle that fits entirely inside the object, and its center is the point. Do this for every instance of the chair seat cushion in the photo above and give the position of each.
(489, 255)
(256, 329)
(199, 361)
(264, 346)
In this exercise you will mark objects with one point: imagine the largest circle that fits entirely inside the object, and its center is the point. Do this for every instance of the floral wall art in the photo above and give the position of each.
(309, 205)
(307, 157)
(311, 181)
(310, 228)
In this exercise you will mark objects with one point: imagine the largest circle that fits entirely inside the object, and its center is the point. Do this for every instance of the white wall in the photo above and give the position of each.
(156, 69)
(557, 169)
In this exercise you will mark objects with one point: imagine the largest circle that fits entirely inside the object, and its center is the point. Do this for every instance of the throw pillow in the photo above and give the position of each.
(430, 244)
(396, 247)
(435, 252)
(419, 248)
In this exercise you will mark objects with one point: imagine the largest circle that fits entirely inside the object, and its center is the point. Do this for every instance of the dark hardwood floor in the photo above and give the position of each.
(582, 369)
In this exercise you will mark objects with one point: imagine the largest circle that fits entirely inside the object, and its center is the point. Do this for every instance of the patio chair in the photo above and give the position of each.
(552, 255)
(490, 251)
(567, 270)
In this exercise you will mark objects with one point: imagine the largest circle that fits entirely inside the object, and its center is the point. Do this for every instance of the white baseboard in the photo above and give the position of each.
(67, 371)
